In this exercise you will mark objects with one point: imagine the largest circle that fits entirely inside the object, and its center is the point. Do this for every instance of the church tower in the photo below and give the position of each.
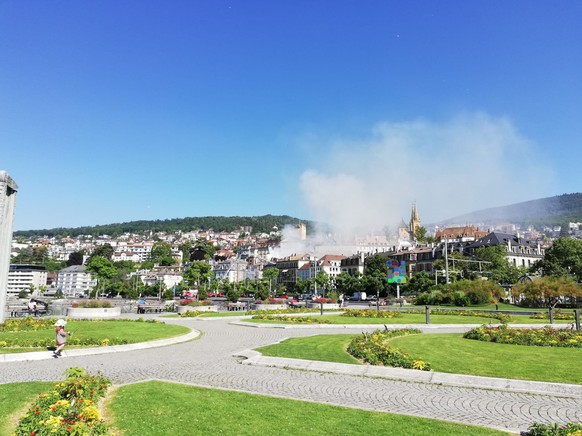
(414, 222)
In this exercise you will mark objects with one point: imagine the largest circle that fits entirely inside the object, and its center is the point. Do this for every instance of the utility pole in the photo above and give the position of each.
(446, 261)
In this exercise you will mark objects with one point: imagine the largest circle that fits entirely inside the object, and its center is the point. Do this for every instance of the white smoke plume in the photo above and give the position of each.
(471, 162)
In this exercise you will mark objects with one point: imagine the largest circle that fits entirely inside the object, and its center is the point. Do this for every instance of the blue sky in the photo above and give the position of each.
(118, 111)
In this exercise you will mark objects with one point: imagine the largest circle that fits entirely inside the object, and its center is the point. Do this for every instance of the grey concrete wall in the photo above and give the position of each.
(8, 189)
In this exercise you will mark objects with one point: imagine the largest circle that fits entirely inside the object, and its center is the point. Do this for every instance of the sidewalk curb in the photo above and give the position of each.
(255, 358)
(47, 355)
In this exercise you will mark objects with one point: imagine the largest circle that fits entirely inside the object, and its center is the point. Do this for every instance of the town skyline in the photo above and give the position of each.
(331, 112)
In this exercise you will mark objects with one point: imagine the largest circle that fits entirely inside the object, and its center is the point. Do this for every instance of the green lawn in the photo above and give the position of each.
(451, 353)
(406, 318)
(132, 331)
(14, 397)
(418, 318)
(159, 408)
(327, 348)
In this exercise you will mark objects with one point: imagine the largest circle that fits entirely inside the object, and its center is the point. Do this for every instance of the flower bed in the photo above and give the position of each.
(368, 313)
(194, 303)
(541, 337)
(92, 304)
(69, 409)
(294, 319)
(570, 429)
(373, 349)
(557, 315)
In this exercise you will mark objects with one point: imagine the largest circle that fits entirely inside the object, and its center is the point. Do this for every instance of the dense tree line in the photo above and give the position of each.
(260, 224)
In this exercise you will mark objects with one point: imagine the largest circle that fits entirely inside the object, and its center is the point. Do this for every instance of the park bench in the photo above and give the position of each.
(236, 306)
(151, 308)
(19, 311)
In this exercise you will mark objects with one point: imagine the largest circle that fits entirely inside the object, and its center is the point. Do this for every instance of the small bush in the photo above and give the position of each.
(70, 408)
(570, 429)
(372, 348)
(92, 304)
(540, 337)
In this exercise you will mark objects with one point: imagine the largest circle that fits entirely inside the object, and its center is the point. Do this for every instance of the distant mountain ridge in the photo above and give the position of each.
(557, 210)
(259, 224)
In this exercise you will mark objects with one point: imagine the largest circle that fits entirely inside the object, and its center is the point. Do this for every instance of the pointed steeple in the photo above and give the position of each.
(414, 220)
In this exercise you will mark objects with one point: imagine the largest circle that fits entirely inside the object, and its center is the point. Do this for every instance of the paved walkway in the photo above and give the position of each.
(210, 361)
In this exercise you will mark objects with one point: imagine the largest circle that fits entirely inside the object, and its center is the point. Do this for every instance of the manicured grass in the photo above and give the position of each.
(15, 396)
(211, 315)
(406, 318)
(156, 408)
(327, 348)
(502, 306)
(451, 353)
(132, 331)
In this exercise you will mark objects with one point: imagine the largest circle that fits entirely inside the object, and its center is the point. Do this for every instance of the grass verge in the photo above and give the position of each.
(14, 397)
(131, 331)
(159, 408)
(452, 354)
(328, 348)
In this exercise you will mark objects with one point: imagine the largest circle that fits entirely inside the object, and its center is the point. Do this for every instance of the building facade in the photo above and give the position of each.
(26, 278)
(74, 281)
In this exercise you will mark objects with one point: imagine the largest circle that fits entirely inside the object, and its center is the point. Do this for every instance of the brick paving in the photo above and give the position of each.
(210, 362)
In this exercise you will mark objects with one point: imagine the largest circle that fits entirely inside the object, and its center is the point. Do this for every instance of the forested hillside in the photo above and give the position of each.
(260, 224)
(557, 210)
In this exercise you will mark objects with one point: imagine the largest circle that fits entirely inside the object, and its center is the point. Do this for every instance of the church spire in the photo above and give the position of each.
(414, 220)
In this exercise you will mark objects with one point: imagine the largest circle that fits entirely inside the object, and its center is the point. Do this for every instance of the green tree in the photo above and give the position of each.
(162, 254)
(103, 250)
(498, 268)
(421, 235)
(563, 258)
(103, 270)
(322, 280)
(198, 274)
(546, 291)
(418, 283)
(270, 274)
(75, 258)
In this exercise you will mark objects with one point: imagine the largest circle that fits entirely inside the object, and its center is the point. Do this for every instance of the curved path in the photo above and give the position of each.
(210, 361)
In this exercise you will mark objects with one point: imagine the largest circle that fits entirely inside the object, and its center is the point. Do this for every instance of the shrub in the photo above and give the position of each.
(368, 313)
(92, 304)
(272, 300)
(570, 429)
(372, 348)
(540, 337)
(294, 319)
(69, 409)
(324, 300)
(195, 303)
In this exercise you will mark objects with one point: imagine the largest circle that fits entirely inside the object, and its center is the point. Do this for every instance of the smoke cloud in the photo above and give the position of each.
(470, 162)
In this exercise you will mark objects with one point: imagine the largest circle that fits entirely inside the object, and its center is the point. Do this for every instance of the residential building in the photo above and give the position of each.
(26, 278)
(520, 252)
(74, 281)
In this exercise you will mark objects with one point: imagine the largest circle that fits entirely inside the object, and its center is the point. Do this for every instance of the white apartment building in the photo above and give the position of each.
(232, 270)
(142, 250)
(25, 277)
(74, 281)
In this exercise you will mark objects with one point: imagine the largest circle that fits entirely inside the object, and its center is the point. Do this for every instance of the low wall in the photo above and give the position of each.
(268, 306)
(90, 312)
(182, 309)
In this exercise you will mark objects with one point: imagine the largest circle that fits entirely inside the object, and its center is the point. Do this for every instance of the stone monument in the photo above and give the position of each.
(8, 189)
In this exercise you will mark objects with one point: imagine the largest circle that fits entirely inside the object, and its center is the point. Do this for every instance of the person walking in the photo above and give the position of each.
(61, 337)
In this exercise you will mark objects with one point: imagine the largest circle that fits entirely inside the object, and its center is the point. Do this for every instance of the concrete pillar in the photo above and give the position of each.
(8, 189)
